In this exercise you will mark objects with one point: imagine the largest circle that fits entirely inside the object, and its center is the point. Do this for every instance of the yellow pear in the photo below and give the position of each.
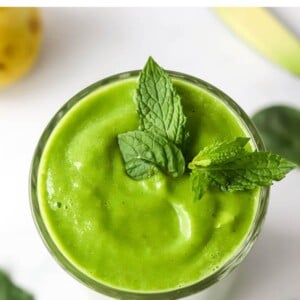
(20, 39)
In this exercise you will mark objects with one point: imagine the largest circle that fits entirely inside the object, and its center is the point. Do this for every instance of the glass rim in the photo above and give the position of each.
(66, 264)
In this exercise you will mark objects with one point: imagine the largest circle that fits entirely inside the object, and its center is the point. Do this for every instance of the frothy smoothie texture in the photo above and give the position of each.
(142, 236)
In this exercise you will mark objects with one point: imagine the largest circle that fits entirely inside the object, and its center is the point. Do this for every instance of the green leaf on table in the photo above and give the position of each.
(279, 127)
(9, 291)
(159, 106)
(144, 153)
(237, 170)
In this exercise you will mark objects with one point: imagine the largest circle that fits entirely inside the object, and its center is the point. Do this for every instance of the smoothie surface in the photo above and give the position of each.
(147, 235)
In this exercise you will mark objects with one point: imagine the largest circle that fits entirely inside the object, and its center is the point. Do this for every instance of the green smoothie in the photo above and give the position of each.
(142, 236)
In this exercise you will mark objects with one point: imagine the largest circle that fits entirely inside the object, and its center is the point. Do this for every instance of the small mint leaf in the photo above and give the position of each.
(159, 106)
(144, 153)
(255, 169)
(200, 182)
(220, 152)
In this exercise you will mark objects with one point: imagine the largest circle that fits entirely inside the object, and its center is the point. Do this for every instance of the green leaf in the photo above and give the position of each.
(250, 171)
(219, 152)
(144, 153)
(236, 170)
(159, 105)
(9, 291)
(200, 182)
(279, 127)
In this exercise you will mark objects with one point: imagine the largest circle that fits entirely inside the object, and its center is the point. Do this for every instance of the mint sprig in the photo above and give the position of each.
(162, 135)
(230, 167)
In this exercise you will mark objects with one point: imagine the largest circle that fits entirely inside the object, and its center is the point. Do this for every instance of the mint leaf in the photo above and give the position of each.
(9, 291)
(159, 105)
(235, 169)
(200, 182)
(144, 153)
(255, 169)
(219, 152)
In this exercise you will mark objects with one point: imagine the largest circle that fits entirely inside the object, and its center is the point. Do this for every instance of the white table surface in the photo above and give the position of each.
(84, 45)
